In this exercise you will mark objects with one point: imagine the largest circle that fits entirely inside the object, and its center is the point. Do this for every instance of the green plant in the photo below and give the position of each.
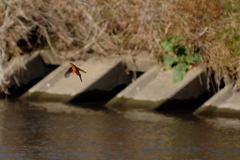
(179, 56)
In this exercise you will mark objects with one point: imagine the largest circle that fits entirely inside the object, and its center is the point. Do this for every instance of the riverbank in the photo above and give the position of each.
(109, 82)
(177, 35)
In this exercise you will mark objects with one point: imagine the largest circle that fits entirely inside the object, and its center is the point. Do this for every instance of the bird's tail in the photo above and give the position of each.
(79, 74)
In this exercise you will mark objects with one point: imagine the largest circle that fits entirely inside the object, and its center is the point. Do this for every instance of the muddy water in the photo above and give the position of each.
(58, 131)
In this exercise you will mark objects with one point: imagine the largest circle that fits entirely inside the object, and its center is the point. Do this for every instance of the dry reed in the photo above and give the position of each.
(111, 28)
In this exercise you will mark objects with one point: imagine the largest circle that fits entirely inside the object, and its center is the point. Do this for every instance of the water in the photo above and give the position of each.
(58, 131)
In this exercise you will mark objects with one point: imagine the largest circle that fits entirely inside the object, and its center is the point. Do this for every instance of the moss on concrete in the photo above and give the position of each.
(40, 97)
(125, 104)
(209, 111)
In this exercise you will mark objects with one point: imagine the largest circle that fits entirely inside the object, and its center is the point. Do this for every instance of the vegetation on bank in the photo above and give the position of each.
(178, 33)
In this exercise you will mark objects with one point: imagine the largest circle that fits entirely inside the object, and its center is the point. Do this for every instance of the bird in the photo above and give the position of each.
(73, 69)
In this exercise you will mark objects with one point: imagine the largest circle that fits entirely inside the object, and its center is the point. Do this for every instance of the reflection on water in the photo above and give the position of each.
(58, 131)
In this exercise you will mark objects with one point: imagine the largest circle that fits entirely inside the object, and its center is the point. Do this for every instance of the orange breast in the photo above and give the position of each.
(74, 69)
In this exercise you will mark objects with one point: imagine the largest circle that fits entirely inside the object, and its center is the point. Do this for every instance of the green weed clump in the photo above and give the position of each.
(179, 56)
(178, 33)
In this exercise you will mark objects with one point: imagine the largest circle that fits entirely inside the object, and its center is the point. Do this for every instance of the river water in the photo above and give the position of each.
(59, 131)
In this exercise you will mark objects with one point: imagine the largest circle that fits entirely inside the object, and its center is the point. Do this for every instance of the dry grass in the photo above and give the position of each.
(113, 27)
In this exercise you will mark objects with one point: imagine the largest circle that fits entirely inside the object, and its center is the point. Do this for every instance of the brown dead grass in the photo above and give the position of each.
(111, 28)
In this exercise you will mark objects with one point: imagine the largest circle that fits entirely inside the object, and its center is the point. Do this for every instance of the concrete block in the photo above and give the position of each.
(102, 74)
(21, 70)
(225, 103)
(155, 90)
(139, 62)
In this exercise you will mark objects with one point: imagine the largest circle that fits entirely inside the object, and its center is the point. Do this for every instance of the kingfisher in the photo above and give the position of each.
(73, 69)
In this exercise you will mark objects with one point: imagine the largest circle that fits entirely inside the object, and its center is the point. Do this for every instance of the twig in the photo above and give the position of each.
(49, 41)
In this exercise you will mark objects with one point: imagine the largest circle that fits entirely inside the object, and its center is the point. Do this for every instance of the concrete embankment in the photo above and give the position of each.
(20, 71)
(224, 103)
(102, 74)
(153, 90)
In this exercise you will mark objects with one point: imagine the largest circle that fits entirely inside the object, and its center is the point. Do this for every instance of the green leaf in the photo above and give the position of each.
(168, 60)
(167, 68)
(196, 58)
(167, 45)
(189, 59)
(180, 72)
(179, 58)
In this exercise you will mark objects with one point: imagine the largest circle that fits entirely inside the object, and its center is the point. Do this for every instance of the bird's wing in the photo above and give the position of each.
(81, 70)
(68, 73)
